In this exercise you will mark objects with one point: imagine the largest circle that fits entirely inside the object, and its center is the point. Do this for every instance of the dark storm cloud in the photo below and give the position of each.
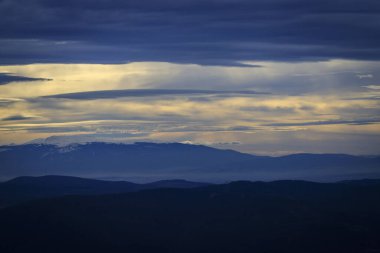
(6, 78)
(206, 32)
(109, 94)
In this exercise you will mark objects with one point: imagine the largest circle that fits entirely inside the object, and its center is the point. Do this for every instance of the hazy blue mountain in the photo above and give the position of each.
(152, 161)
(25, 188)
(282, 217)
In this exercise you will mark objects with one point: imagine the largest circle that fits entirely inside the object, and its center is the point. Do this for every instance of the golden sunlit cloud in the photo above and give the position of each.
(310, 100)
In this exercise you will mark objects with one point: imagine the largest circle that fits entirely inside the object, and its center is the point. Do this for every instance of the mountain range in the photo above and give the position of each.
(147, 162)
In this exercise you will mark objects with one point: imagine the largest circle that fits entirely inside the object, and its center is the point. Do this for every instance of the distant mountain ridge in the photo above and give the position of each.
(157, 161)
(23, 189)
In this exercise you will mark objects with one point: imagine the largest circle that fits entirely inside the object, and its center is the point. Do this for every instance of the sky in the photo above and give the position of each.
(269, 77)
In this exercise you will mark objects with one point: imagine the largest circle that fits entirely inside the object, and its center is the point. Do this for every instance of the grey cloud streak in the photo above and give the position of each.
(17, 117)
(6, 78)
(110, 94)
(328, 122)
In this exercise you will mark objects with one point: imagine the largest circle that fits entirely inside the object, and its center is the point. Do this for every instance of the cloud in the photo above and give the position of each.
(17, 117)
(109, 94)
(6, 78)
(211, 143)
(278, 109)
(328, 122)
(63, 140)
(177, 102)
(374, 98)
(207, 32)
(364, 76)
(372, 87)
(8, 101)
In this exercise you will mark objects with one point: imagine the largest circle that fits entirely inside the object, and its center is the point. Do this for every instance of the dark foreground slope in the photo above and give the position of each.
(24, 189)
(153, 161)
(283, 216)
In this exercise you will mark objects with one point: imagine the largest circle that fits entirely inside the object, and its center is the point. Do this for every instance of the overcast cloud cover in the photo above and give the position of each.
(268, 77)
(222, 32)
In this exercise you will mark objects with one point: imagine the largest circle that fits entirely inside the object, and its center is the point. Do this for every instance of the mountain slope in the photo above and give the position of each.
(284, 216)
